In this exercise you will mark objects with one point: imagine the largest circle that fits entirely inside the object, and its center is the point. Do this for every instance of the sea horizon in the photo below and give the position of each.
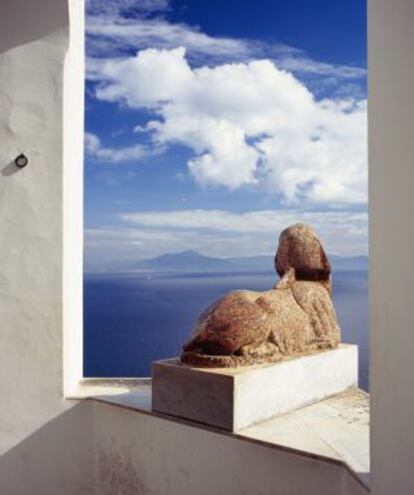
(132, 319)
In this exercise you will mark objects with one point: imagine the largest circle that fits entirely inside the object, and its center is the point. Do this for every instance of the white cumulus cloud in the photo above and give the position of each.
(95, 149)
(260, 221)
(248, 124)
(120, 26)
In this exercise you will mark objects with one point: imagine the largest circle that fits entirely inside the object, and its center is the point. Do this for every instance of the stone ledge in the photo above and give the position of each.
(236, 398)
(335, 429)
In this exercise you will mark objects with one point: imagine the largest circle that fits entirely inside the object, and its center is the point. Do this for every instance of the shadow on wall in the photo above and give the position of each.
(56, 459)
(10, 169)
(140, 454)
(35, 20)
(107, 450)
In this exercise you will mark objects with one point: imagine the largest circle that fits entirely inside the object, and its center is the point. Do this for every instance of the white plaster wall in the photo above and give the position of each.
(73, 121)
(49, 445)
(44, 441)
(137, 453)
(391, 150)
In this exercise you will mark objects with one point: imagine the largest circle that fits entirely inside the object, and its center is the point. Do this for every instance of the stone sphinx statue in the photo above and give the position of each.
(295, 317)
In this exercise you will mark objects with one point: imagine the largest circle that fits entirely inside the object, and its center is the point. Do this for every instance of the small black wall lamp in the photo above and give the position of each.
(21, 161)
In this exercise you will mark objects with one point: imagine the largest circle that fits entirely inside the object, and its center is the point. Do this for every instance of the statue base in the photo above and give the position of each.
(234, 398)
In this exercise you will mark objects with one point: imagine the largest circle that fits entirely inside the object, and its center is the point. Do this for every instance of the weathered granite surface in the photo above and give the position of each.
(296, 317)
(300, 248)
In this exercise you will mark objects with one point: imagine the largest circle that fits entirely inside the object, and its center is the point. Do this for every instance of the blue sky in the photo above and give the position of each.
(214, 125)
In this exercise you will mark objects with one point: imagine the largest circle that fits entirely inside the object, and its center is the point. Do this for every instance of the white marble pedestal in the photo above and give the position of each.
(234, 398)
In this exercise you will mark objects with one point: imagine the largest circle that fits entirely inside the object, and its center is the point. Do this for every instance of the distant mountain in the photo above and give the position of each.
(192, 261)
(186, 261)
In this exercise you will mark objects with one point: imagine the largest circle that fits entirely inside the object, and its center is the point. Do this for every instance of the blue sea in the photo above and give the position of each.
(133, 319)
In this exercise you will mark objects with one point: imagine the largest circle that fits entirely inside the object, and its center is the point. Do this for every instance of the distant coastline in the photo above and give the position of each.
(194, 262)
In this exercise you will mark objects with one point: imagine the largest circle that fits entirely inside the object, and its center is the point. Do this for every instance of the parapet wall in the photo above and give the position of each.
(43, 443)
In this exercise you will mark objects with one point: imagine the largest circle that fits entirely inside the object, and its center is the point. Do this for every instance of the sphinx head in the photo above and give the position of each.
(299, 248)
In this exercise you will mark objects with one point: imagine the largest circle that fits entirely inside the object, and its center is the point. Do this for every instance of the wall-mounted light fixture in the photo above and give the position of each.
(21, 161)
